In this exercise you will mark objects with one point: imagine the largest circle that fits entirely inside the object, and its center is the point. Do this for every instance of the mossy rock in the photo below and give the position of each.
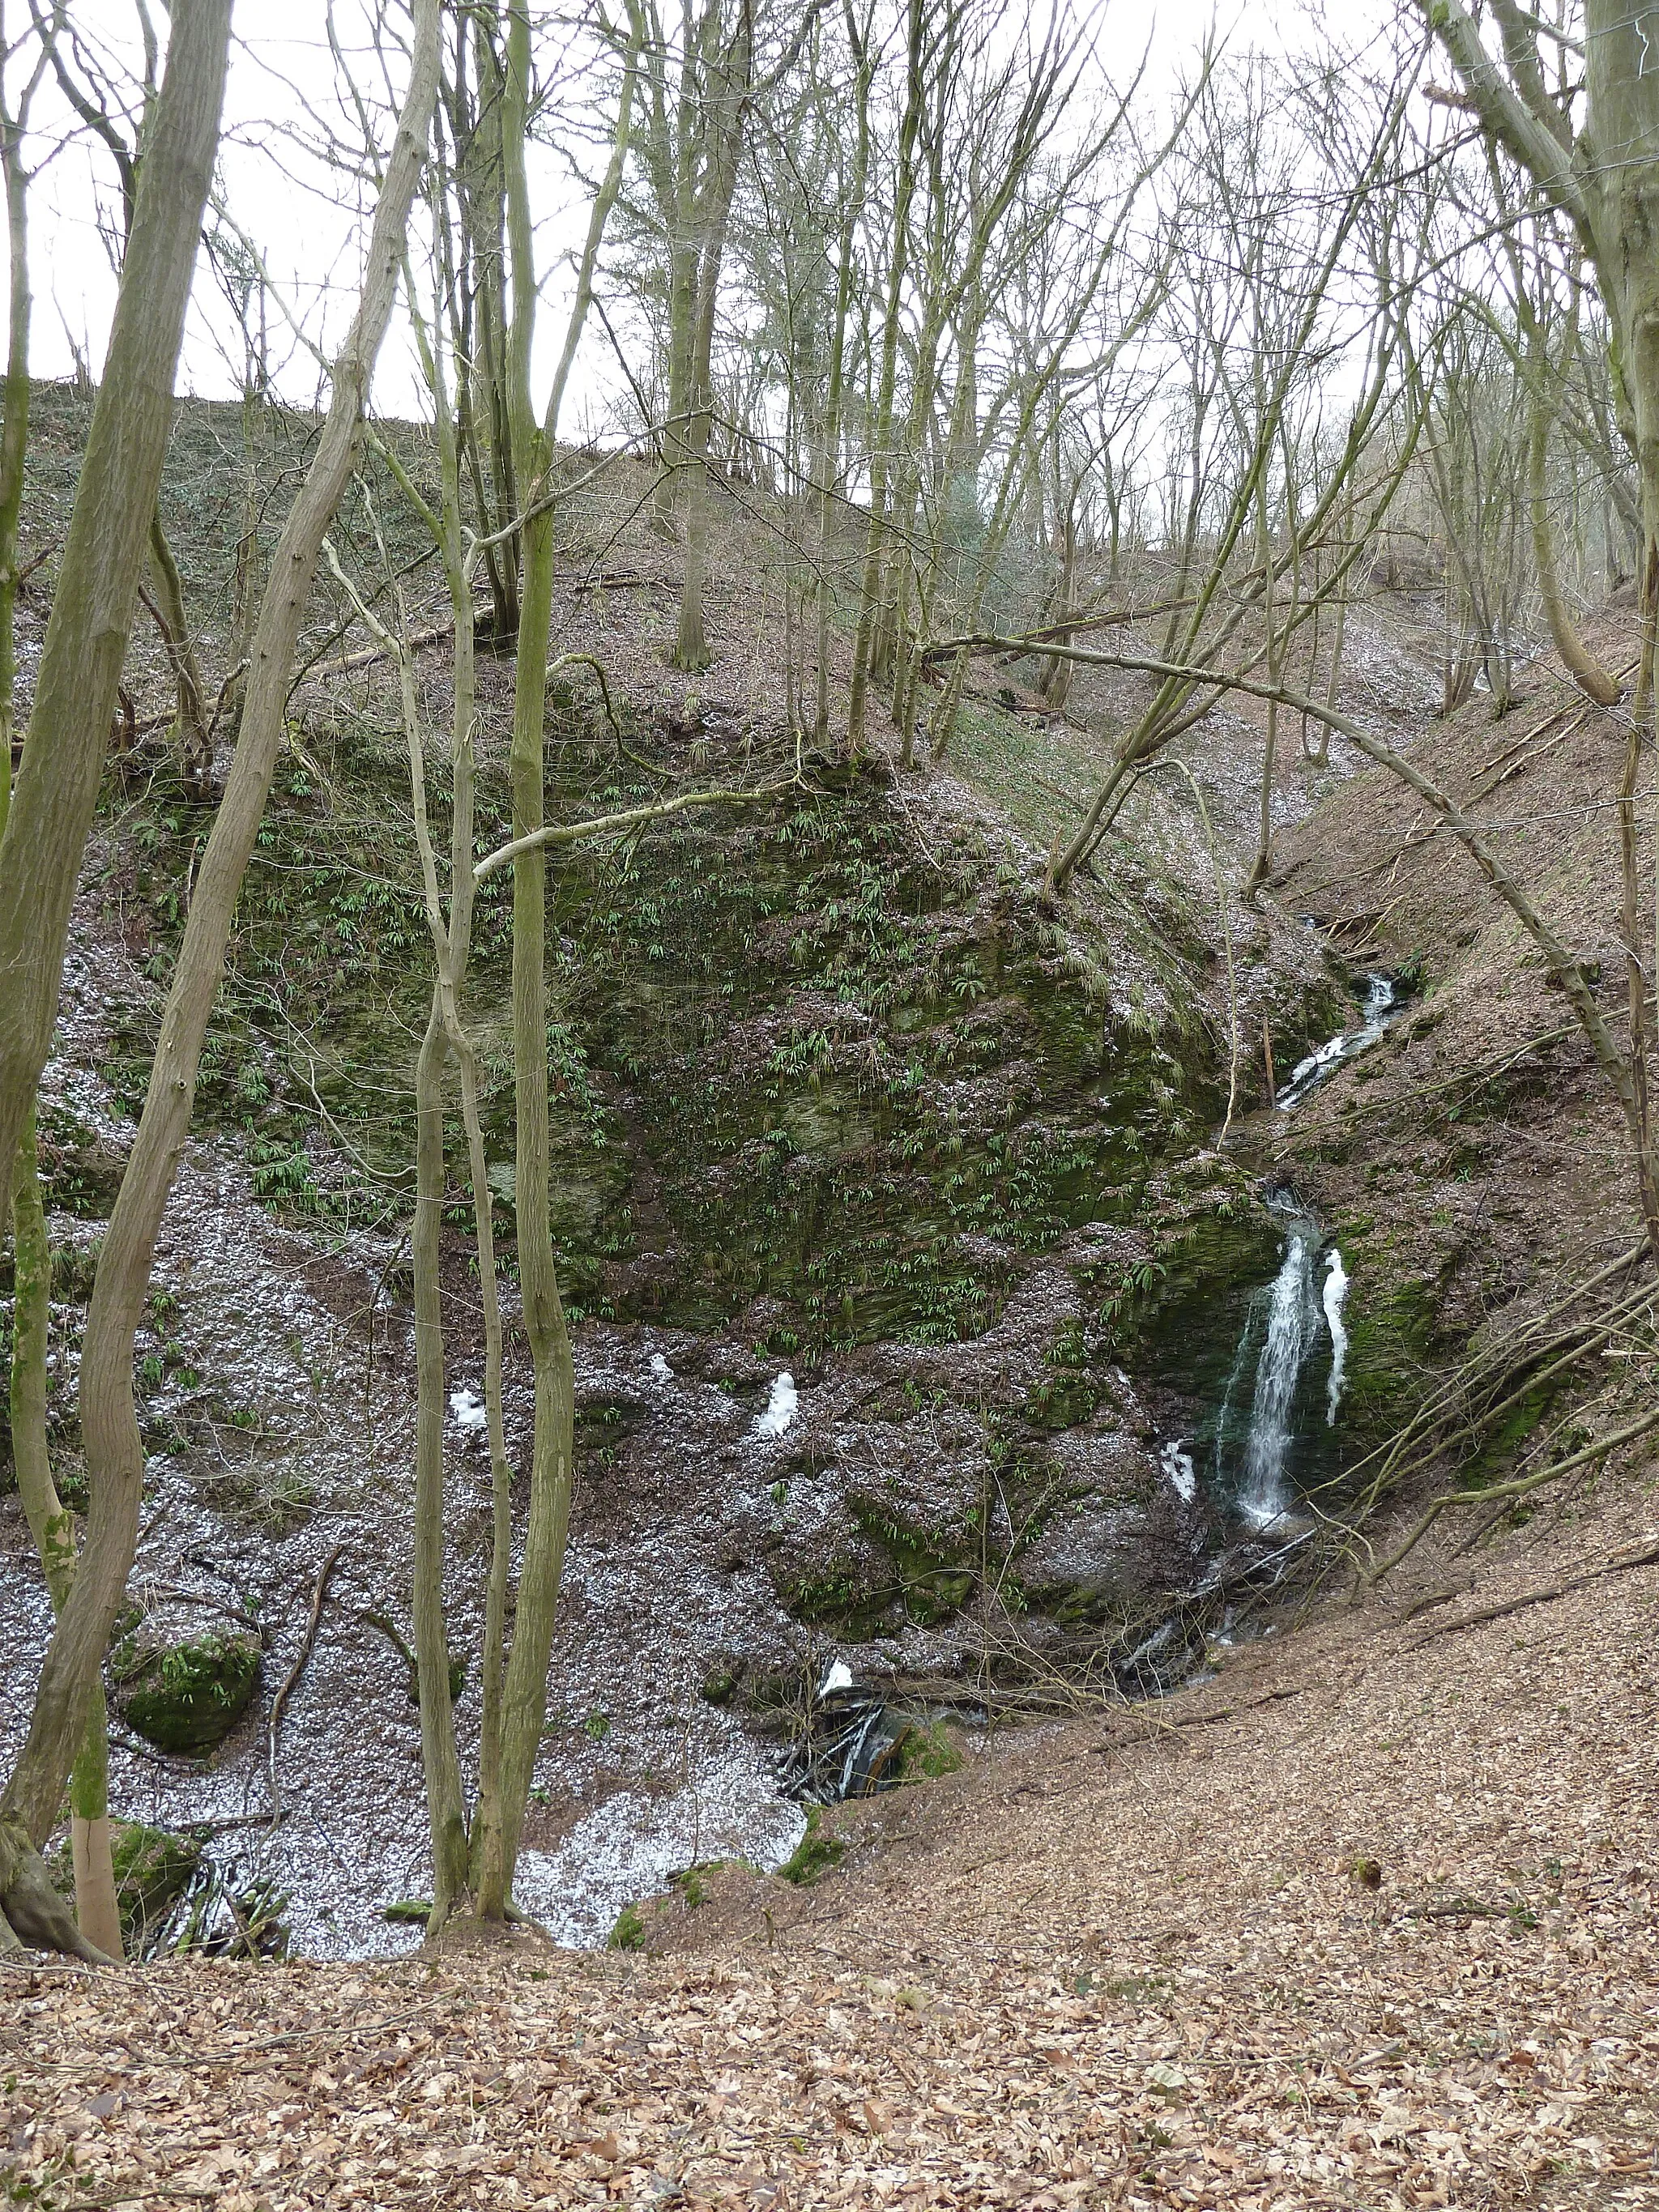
(816, 1853)
(408, 1912)
(187, 1698)
(154, 1867)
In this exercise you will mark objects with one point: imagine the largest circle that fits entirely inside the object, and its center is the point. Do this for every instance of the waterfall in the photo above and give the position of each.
(1336, 1290)
(1380, 1006)
(1293, 1320)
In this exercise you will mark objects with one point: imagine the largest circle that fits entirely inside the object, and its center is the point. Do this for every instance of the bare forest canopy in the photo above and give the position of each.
(863, 511)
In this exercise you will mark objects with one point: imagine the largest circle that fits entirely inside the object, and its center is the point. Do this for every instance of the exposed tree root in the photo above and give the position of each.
(32, 1913)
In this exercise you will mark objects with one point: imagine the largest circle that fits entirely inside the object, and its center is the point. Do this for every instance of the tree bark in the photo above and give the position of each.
(109, 1426)
(102, 560)
(51, 811)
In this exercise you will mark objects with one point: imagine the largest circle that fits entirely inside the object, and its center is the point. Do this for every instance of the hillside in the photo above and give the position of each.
(1368, 1921)
(846, 1101)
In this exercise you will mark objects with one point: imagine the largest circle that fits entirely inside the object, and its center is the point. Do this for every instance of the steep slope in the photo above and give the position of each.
(1368, 1922)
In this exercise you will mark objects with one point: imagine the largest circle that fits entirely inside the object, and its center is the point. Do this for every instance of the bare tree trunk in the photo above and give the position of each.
(172, 620)
(114, 1451)
(102, 559)
(51, 808)
(882, 434)
(1580, 663)
(495, 1843)
(830, 450)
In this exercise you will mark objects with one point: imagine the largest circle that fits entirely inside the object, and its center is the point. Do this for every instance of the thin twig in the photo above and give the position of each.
(320, 1591)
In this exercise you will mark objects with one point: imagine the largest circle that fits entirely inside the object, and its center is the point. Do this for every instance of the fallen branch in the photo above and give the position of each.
(320, 1591)
(1645, 1555)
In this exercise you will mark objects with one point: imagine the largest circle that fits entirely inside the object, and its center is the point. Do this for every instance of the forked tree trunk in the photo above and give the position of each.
(114, 1452)
(496, 1828)
(51, 812)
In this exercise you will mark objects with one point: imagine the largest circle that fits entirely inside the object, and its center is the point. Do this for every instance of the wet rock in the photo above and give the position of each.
(186, 1697)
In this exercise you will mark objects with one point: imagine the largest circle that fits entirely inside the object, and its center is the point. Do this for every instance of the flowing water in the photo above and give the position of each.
(1380, 1007)
(1293, 1322)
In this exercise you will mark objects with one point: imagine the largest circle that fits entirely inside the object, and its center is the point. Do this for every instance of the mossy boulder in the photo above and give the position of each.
(154, 1867)
(186, 1697)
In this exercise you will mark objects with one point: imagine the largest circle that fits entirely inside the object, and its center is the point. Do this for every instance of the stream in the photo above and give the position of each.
(1283, 1390)
(644, 1769)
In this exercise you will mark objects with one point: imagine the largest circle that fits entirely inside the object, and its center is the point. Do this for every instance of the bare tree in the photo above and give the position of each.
(52, 807)
(114, 1451)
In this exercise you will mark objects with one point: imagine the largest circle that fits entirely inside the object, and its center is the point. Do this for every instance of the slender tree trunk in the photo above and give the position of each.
(14, 431)
(830, 450)
(446, 1808)
(882, 433)
(114, 1451)
(524, 1704)
(51, 808)
(53, 1531)
(172, 620)
(102, 559)
(1581, 664)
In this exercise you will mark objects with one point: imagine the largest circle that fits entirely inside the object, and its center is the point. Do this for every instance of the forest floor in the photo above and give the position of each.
(1366, 1920)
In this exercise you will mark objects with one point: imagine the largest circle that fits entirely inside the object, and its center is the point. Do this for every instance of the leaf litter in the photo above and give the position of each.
(1385, 1943)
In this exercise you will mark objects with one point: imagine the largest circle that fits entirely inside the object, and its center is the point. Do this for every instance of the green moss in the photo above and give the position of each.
(627, 1930)
(815, 1854)
(408, 1912)
(153, 1868)
(929, 1753)
(187, 1697)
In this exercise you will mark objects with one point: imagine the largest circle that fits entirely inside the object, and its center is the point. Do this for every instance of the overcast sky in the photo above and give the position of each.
(290, 205)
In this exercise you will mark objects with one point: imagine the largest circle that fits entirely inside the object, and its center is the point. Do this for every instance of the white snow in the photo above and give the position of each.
(780, 1408)
(1336, 1289)
(661, 1368)
(1178, 1466)
(840, 1677)
(467, 1409)
(626, 1847)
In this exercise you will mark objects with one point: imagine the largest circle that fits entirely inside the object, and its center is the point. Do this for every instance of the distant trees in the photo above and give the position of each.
(1580, 119)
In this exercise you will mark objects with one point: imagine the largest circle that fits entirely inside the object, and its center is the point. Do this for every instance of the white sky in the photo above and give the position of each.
(311, 243)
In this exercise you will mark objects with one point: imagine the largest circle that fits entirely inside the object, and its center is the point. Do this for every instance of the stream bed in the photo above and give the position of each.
(719, 1546)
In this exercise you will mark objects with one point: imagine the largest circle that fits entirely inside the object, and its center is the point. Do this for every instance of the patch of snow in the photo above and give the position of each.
(1178, 1468)
(781, 1408)
(661, 1368)
(467, 1410)
(1336, 1290)
(625, 1849)
(840, 1677)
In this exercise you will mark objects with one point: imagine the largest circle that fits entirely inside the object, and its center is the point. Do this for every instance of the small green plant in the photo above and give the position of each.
(816, 1852)
(627, 1933)
(597, 1725)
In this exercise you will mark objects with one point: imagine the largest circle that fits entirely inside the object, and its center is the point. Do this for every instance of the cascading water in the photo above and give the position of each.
(1336, 1291)
(1382, 1003)
(1293, 1317)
